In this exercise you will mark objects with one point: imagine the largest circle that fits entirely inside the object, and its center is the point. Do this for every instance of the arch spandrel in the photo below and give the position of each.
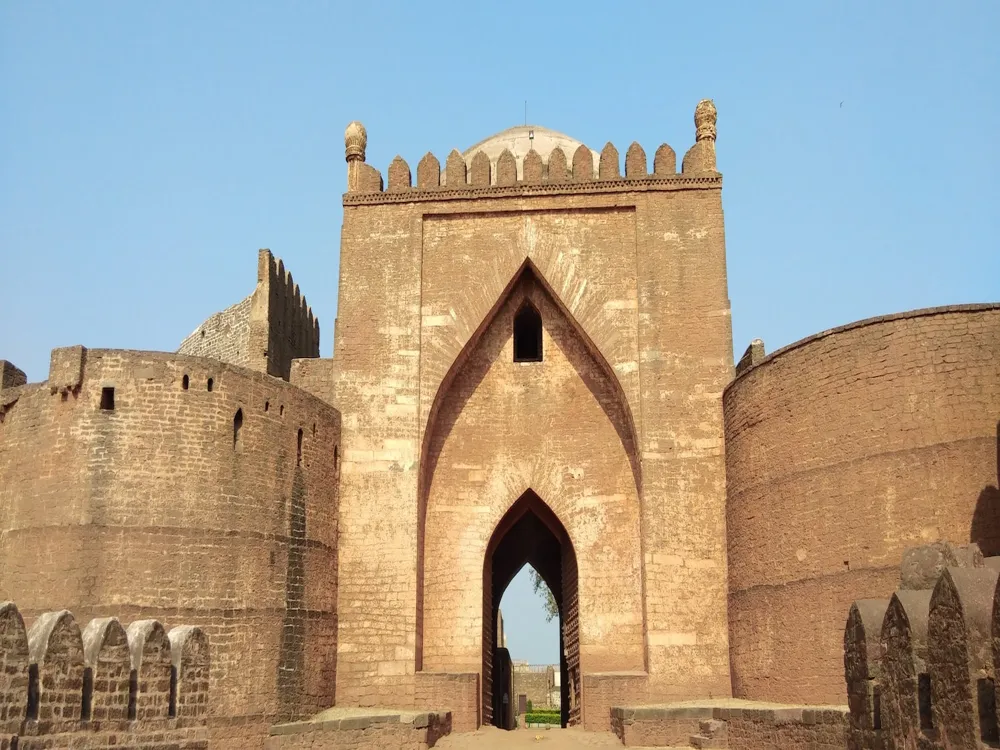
(586, 257)
(560, 427)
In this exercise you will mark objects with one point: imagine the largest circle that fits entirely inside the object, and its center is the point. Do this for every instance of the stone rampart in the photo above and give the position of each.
(842, 450)
(167, 486)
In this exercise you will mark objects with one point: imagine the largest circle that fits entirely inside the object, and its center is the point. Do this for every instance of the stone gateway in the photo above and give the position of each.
(532, 364)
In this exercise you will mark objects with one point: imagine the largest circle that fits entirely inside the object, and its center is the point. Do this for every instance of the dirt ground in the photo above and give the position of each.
(491, 738)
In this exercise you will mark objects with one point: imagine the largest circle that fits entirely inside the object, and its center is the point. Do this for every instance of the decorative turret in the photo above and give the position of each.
(355, 141)
(701, 156)
(360, 176)
(705, 116)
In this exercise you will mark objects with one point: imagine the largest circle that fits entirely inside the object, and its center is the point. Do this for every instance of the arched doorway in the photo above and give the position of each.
(530, 534)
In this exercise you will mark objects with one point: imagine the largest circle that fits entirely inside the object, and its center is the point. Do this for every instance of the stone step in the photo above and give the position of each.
(712, 728)
(704, 741)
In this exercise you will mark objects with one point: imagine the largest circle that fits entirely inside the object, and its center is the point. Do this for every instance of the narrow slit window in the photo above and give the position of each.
(185, 382)
(88, 694)
(527, 334)
(172, 705)
(211, 383)
(33, 695)
(298, 450)
(924, 701)
(988, 729)
(133, 693)
(336, 459)
(876, 705)
(237, 430)
(108, 399)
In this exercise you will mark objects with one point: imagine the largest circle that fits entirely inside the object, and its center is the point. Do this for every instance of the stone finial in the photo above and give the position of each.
(705, 116)
(355, 141)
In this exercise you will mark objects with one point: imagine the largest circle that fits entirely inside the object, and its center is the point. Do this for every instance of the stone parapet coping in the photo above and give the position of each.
(344, 719)
(877, 320)
(768, 713)
(710, 181)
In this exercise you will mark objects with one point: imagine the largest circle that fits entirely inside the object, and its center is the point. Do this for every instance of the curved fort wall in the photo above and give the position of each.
(841, 451)
(173, 487)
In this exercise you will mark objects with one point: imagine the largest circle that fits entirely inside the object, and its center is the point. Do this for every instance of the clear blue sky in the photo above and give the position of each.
(148, 149)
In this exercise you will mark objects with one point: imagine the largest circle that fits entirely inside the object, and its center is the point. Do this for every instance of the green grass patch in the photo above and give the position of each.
(543, 717)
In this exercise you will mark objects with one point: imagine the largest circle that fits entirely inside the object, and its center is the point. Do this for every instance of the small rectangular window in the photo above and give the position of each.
(108, 399)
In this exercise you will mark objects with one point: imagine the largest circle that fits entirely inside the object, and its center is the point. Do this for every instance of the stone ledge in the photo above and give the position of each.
(863, 323)
(354, 721)
(708, 181)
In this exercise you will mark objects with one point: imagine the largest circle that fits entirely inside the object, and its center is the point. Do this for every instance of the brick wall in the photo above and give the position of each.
(159, 506)
(224, 336)
(69, 688)
(842, 450)
(537, 683)
(459, 693)
(637, 269)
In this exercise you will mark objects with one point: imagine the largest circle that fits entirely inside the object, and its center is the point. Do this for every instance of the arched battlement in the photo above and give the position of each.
(904, 667)
(533, 159)
(959, 652)
(106, 655)
(190, 657)
(73, 689)
(863, 667)
(152, 663)
(14, 661)
(56, 652)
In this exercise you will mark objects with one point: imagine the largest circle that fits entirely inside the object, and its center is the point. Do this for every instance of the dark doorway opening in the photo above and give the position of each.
(530, 534)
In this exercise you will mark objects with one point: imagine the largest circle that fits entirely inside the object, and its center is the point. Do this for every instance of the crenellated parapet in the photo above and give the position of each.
(264, 331)
(528, 172)
(921, 666)
(59, 680)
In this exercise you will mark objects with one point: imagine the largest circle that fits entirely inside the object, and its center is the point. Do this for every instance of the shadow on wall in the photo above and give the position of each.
(985, 529)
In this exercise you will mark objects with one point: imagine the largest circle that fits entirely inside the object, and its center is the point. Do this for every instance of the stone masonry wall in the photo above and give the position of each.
(263, 332)
(178, 487)
(224, 336)
(579, 464)
(639, 264)
(102, 687)
(842, 450)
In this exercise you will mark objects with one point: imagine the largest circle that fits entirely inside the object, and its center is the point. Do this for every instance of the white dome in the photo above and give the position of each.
(519, 141)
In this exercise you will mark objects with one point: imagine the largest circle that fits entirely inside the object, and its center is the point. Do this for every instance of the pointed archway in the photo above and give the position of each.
(530, 534)
(560, 425)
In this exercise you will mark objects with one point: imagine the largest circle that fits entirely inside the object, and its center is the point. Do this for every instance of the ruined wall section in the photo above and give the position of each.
(157, 483)
(862, 440)
(282, 326)
(224, 336)
(263, 332)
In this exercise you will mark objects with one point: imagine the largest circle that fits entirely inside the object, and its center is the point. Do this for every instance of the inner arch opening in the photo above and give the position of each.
(529, 534)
